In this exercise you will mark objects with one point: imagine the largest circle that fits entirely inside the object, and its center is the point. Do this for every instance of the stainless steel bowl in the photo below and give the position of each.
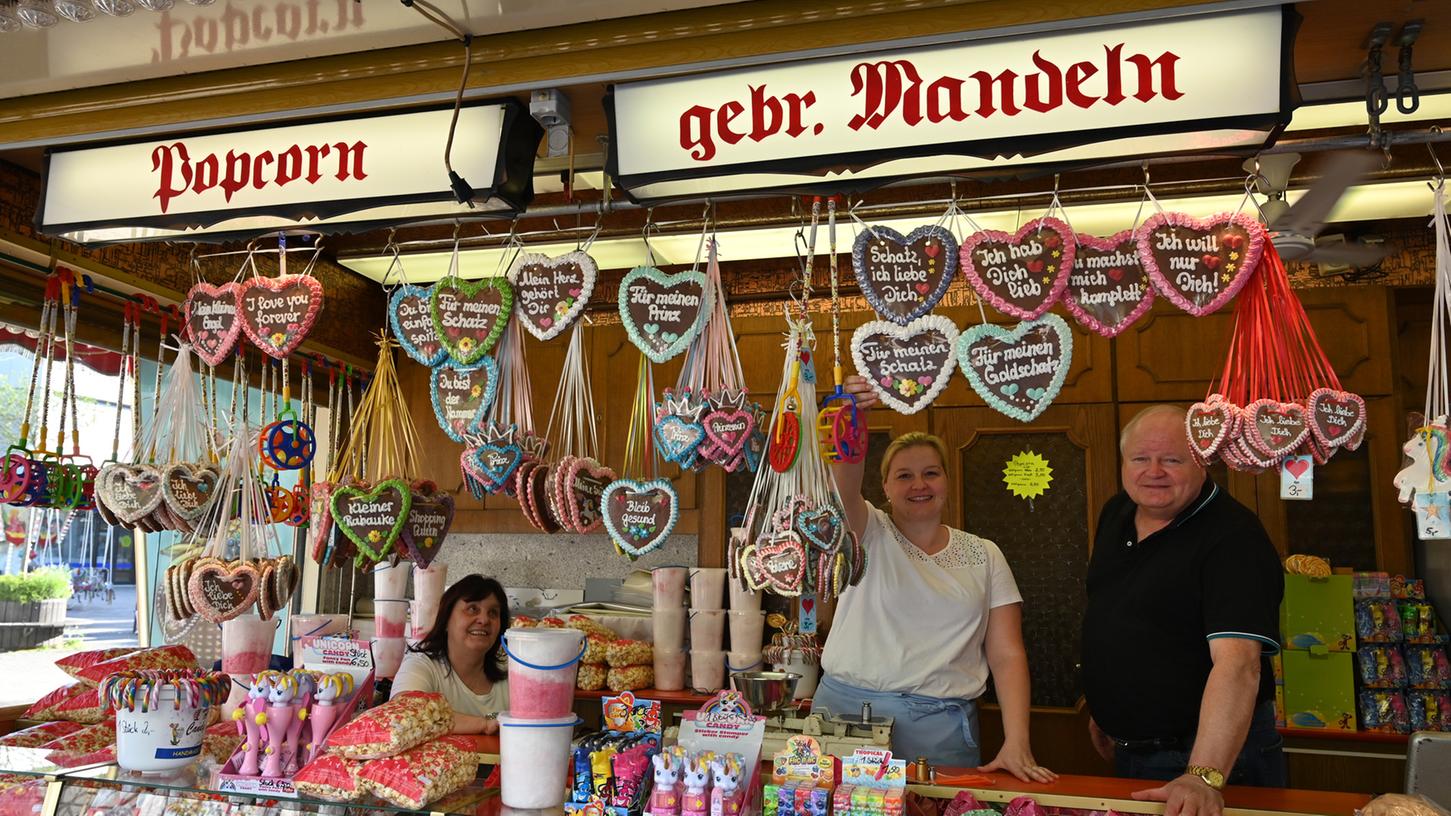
(769, 692)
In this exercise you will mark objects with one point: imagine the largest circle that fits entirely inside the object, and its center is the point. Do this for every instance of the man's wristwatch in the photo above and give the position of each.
(1212, 777)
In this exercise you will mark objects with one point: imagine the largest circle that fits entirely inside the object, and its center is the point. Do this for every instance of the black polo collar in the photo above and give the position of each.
(1207, 493)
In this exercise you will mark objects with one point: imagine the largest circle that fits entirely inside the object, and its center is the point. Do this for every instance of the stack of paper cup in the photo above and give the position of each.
(390, 617)
(707, 628)
(747, 627)
(668, 622)
(427, 592)
(747, 631)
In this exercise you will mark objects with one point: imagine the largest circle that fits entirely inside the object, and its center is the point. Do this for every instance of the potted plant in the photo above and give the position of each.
(32, 607)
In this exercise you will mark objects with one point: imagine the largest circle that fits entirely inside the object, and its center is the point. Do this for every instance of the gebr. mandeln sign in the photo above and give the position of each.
(1195, 82)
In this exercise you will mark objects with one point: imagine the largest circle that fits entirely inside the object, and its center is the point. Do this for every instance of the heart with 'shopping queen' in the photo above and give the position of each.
(429, 520)
(212, 321)
(1019, 371)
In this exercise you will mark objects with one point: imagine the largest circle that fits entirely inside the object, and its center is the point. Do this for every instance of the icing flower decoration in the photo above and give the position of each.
(466, 344)
(476, 391)
(561, 309)
(375, 536)
(907, 388)
(278, 339)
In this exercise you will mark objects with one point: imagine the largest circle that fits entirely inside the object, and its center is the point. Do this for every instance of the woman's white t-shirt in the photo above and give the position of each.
(917, 623)
(420, 672)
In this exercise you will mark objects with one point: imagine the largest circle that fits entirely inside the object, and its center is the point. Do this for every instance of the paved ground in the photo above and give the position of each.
(26, 676)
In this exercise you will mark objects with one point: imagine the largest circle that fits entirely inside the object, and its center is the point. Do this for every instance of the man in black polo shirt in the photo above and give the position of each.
(1184, 592)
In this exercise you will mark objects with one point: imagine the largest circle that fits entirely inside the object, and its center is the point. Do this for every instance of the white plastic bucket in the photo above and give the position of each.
(743, 599)
(707, 629)
(543, 664)
(810, 671)
(307, 627)
(707, 671)
(707, 588)
(669, 670)
(669, 586)
(247, 644)
(533, 759)
(388, 656)
(747, 630)
(390, 617)
(744, 661)
(161, 739)
(668, 628)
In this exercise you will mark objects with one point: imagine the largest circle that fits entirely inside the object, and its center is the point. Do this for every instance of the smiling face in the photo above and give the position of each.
(473, 626)
(916, 484)
(1159, 473)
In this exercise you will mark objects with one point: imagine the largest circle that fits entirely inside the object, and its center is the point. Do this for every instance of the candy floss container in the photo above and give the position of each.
(542, 668)
(533, 759)
(155, 731)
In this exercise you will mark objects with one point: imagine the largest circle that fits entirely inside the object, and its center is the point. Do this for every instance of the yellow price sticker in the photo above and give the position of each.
(1027, 475)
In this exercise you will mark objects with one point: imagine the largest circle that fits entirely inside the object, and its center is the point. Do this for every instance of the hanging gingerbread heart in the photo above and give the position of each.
(188, 490)
(728, 431)
(551, 293)
(822, 527)
(663, 313)
(277, 313)
(1275, 429)
(1020, 274)
(220, 591)
(582, 490)
(1200, 264)
(429, 519)
(1335, 416)
(678, 438)
(776, 563)
(541, 508)
(640, 515)
(1209, 425)
(496, 462)
(1019, 371)
(1108, 288)
(462, 395)
(411, 314)
(907, 366)
(903, 278)
(372, 519)
(131, 492)
(469, 317)
(212, 322)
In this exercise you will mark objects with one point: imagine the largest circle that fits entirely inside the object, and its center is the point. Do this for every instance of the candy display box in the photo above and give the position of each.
(1318, 614)
(1320, 691)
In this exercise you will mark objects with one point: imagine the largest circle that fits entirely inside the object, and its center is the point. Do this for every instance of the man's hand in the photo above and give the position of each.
(1101, 742)
(1186, 796)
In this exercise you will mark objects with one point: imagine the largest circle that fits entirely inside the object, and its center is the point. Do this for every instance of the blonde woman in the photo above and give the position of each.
(936, 612)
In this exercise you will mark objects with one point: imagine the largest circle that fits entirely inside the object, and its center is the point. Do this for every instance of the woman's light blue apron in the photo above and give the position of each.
(944, 731)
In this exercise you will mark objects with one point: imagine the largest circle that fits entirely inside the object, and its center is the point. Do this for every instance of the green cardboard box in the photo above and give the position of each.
(1320, 690)
(1318, 614)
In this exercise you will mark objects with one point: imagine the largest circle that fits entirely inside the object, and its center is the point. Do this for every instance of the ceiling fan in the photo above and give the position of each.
(1296, 227)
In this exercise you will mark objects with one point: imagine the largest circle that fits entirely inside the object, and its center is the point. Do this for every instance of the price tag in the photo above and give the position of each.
(806, 621)
(1297, 478)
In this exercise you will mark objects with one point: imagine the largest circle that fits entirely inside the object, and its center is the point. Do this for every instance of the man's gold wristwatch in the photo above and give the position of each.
(1212, 777)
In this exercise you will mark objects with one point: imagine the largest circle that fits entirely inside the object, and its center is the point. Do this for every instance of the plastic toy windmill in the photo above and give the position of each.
(25, 477)
(839, 425)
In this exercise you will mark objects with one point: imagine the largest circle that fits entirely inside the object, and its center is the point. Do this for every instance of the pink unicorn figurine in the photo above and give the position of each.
(665, 798)
(695, 776)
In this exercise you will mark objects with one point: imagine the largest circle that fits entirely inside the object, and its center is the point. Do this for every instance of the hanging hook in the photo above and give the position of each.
(1440, 171)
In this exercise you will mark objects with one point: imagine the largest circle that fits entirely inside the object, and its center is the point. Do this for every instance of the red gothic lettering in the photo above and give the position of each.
(177, 173)
(701, 126)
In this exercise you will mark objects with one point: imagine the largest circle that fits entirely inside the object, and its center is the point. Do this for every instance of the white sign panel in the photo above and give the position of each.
(272, 177)
(1010, 100)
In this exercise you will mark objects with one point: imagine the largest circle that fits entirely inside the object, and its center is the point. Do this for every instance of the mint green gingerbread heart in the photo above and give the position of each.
(469, 316)
(1018, 371)
(372, 519)
(663, 313)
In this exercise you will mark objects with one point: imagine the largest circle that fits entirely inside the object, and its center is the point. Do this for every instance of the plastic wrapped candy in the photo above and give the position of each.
(1377, 621)
(523, 622)
(80, 661)
(43, 710)
(1427, 667)
(38, 735)
(623, 653)
(1381, 667)
(591, 677)
(422, 774)
(1418, 621)
(629, 678)
(412, 718)
(163, 657)
(1384, 711)
(90, 745)
(330, 777)
(1399, 804)
(1430, 710)
(221, 741)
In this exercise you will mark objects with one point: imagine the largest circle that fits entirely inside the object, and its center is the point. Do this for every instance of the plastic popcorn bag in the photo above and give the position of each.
(86, 707)
(591, 677)
(424, 774)
(221, 741)
(330, 777)
(596, 647)
(622, 653)
(412, 718)
(38, 735)
(164, 657)
(43, 710)
(81, 661)
(90, 745)
(629, 678)
(590, 626)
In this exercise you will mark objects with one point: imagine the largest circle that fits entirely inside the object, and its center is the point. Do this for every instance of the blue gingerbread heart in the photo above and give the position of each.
(678, 439)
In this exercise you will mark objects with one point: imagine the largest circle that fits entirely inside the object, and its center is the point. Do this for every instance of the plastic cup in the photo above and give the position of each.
(160, 739)
(669, 584)
(390, 617)
(543, 664)
(533, 758)
(747, 630)
(744, 661)
(669, 628)
(669, 670)
(707, 588)
(388, 655)
(707, 671)
(391, 580)
(707, 629)
(743, 599)
(247, 644)
(427, 592)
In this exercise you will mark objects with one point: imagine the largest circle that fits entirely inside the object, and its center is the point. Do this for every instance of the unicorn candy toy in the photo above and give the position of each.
(331, 690)
(281, 713)
(665, 798)
(296, 727)
(726, 795)
(695, 776)
(251, 719)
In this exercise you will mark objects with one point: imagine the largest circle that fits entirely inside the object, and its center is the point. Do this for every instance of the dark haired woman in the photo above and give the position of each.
(460, 657)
